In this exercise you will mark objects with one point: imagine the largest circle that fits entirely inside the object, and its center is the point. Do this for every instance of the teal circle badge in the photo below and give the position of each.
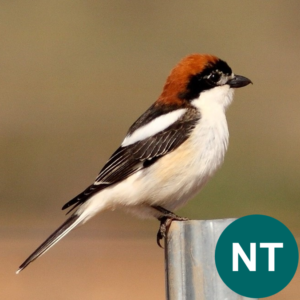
(256, 256)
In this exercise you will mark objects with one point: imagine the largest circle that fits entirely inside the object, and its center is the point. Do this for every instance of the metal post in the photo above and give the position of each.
(191, 272)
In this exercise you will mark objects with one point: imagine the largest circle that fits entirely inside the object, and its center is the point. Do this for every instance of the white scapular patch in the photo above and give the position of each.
(155, 126)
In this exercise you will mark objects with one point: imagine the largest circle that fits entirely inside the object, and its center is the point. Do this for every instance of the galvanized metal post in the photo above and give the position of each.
(191, 272)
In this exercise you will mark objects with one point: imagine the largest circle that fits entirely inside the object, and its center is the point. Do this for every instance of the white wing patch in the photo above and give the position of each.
(155, 126)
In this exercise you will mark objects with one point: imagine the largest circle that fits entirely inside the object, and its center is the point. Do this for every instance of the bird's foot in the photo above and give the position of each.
(165, 222)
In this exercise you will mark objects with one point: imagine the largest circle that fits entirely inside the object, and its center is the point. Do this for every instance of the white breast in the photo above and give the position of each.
(186, 170)
(211, 133)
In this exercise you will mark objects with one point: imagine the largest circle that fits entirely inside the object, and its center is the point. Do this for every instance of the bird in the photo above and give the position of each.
(169, 153)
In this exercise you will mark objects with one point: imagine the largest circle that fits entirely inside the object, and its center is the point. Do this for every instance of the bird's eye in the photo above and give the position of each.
(215, 77)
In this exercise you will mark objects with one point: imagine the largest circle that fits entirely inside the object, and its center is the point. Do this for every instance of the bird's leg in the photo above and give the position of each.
(165, 221)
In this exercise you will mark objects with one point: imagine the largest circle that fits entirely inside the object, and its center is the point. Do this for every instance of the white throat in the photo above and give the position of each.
(221, 96)
(211, 134)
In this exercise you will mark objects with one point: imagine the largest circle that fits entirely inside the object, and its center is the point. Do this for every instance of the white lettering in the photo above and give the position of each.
(238, 251)
(271, 247)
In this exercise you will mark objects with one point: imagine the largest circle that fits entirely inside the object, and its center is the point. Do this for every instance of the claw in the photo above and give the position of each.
(159, 237)
(165, 223)
(165, 219)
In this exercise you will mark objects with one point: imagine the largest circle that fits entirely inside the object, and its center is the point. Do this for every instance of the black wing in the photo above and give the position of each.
(142, 154)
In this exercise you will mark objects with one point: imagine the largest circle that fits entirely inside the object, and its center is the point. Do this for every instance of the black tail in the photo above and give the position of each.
(65, 228)
(82, 197)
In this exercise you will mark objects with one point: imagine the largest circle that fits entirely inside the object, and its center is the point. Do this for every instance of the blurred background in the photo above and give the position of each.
(74, 75)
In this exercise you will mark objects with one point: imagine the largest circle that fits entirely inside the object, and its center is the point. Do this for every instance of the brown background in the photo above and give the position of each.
(74, 75)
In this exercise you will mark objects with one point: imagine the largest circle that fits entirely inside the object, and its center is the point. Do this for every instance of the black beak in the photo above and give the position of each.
(238, 81)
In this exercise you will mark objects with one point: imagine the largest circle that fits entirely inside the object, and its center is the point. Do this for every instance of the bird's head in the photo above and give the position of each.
(197, 74)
